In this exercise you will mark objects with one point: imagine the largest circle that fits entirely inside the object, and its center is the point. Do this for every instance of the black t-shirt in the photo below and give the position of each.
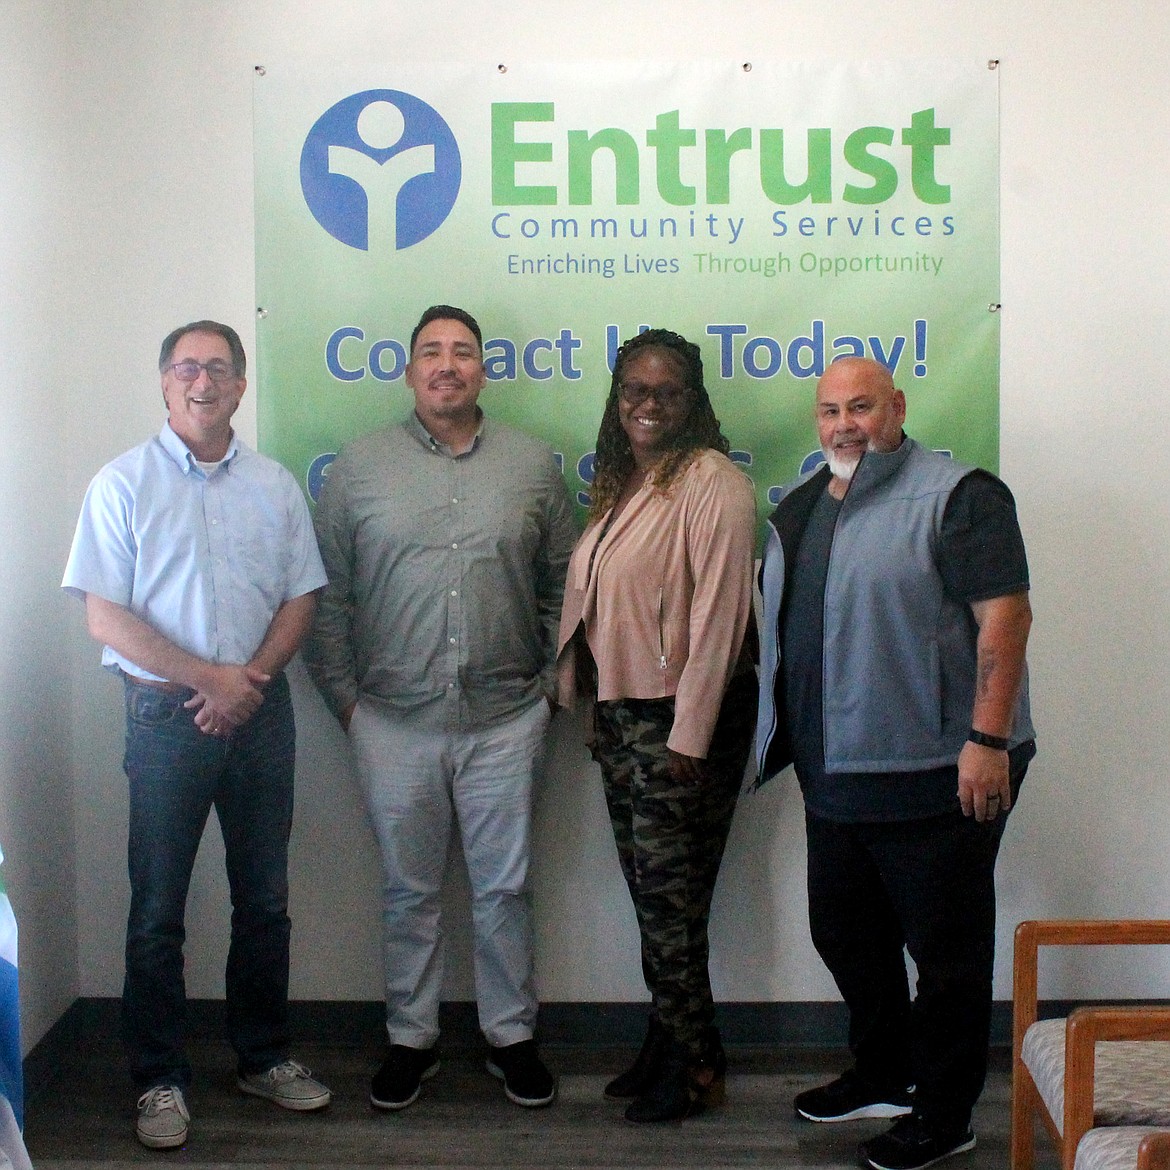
(981, 555)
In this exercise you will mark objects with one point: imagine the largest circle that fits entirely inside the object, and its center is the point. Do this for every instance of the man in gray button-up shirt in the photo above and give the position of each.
(446, 539)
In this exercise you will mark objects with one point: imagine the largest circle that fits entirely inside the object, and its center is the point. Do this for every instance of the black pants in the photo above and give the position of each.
(927, 886)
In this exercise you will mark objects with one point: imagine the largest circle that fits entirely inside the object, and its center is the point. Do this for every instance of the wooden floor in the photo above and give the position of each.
(83, 1116)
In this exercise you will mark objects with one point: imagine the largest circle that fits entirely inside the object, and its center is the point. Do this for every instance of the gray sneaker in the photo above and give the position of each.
(162, 1118)
(289, 1085)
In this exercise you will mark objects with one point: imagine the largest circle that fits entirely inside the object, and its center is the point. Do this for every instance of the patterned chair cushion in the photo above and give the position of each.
(1132, 1077)
(1112, 1148)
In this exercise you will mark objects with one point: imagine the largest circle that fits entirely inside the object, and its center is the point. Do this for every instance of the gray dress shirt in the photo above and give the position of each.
(446, 574)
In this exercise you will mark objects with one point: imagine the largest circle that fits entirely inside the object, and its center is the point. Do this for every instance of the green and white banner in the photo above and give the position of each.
(778, 214)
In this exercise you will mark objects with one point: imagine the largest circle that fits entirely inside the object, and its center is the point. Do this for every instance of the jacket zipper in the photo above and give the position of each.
(661, 635)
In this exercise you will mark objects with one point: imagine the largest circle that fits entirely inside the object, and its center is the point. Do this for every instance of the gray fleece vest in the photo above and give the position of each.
(899, 654)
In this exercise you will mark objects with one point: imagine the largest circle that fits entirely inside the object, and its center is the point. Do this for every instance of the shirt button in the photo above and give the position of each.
(450, 686)
(454, 592)
(451, 640)
(455, 546)
(454, 499)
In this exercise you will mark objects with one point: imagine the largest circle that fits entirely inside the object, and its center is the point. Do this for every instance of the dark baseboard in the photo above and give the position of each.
(354, 1023)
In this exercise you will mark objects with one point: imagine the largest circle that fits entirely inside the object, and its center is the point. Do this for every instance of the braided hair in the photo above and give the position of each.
(614, 459)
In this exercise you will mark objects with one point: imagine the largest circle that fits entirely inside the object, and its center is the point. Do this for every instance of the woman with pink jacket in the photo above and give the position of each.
(655, 629)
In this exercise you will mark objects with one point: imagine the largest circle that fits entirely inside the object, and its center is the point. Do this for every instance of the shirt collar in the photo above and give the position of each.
(414, 425)
(181, 453)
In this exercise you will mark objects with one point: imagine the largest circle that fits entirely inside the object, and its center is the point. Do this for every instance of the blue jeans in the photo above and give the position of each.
(176, 774)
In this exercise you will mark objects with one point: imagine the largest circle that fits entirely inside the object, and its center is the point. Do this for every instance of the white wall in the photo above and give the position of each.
(36, 780)
(126, 205)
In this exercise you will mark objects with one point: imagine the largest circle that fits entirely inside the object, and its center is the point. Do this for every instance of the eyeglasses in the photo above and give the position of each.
(668, 397)
(217, 371)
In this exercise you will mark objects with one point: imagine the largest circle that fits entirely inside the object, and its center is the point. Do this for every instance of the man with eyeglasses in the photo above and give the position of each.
(196, 561)
(446, 538)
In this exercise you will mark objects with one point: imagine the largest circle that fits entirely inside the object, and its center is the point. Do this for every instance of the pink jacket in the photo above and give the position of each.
(667, 604)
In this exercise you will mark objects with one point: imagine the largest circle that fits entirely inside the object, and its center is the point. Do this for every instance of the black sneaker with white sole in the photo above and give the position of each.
(912, 1144)
(849, 1098)
(399, 1081)
(526, 1080)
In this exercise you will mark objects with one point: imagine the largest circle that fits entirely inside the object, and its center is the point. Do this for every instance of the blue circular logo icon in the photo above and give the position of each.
(812, 461)
(380, 170)
(317, 473)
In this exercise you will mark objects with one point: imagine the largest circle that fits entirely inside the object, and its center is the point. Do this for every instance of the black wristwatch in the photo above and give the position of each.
(998, 742)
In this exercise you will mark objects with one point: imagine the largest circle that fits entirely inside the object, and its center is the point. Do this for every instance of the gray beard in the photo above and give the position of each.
(839, 467)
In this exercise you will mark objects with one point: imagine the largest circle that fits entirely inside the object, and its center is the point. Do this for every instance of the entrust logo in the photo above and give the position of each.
(380, 170)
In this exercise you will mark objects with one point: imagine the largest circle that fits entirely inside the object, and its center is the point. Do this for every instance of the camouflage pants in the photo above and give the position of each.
(670, 840)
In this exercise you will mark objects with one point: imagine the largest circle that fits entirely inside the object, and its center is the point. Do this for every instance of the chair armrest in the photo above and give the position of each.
(1096, 931)
(1033, 934)
(1154, 1152)
(1085, 1026)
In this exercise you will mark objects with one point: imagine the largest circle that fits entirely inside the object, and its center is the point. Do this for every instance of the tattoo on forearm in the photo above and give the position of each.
(987, 665)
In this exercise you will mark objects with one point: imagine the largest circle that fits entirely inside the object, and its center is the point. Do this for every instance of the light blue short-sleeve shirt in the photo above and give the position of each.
(206, 559)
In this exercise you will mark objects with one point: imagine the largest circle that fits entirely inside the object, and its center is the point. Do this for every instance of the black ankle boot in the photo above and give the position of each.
(637, 1078)
(709, 1074)
(670, 1096)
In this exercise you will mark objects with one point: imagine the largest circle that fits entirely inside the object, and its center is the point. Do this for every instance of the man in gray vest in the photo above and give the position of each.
(893, 678)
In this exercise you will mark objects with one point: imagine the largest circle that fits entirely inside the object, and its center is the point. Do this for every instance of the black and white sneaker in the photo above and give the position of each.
(849, 1098)
(399, 1081)
(911, 1144)
(526, 1080)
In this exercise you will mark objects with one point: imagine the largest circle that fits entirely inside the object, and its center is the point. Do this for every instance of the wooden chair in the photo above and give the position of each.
(1120, 1147)
(1154, 1152)
(1095, 1080)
